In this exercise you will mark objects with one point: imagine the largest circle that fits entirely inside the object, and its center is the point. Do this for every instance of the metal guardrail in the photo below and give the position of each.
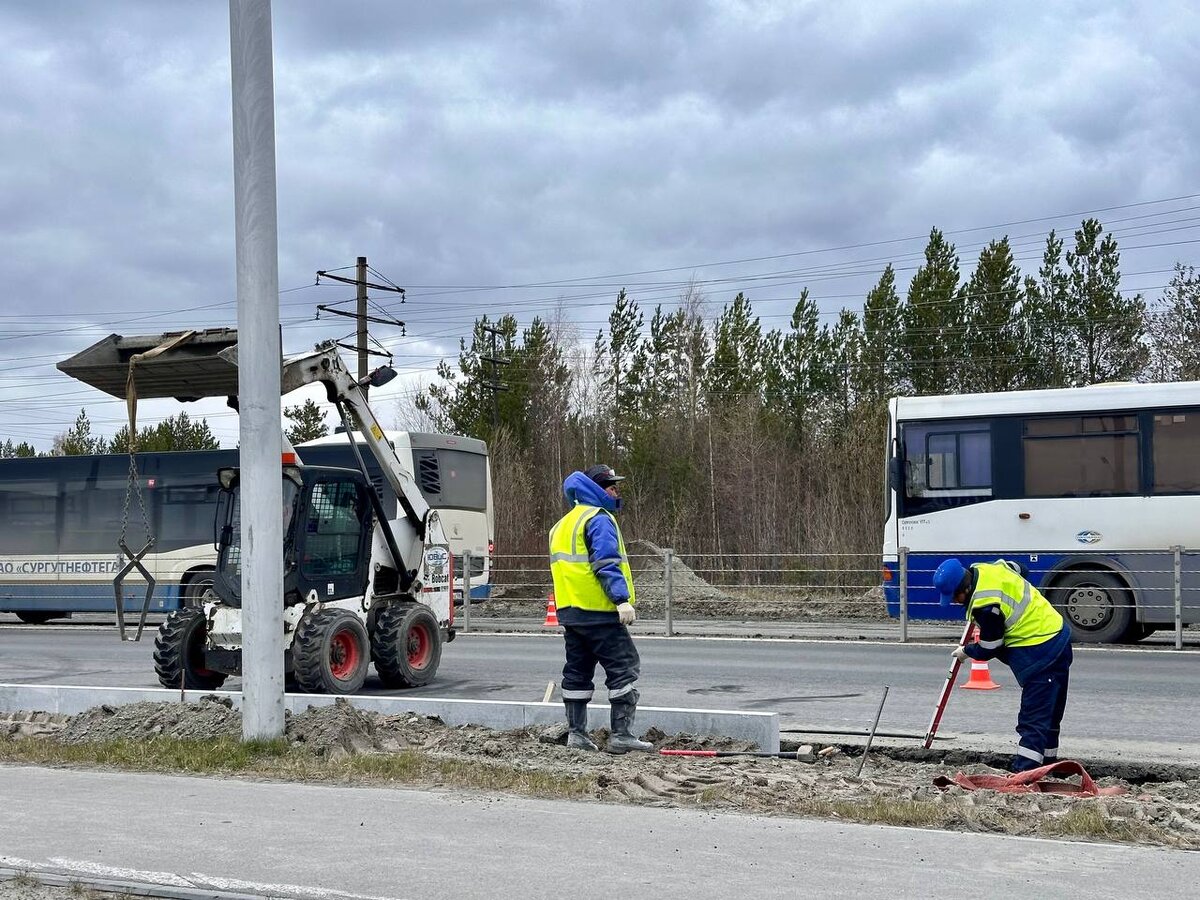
(850, 581)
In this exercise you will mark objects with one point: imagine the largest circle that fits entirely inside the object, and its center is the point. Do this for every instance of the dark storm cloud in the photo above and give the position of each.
(488, 143)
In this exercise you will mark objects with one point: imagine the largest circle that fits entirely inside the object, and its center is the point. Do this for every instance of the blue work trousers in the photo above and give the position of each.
(609, 644)
(1044, 674)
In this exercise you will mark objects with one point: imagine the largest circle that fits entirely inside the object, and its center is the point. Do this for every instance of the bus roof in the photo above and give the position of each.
(411, 440)
(1094, 398)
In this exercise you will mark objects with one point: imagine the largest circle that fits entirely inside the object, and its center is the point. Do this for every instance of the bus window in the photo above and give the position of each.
(948, 459)
(28, 511)
(1176, 449)
(93, 511)
(1081, 456)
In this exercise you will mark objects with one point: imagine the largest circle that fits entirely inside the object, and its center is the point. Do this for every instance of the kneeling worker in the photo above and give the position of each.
(1018, 626)
(593, 593)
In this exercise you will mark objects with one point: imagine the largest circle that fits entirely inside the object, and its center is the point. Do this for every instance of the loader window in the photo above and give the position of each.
(333, 539)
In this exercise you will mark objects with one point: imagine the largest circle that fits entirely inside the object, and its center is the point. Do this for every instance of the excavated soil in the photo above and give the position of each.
(1156, 811)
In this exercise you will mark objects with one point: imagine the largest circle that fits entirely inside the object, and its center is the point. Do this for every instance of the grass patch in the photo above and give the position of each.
(1090, 822)
(23, 880)
(283, 761)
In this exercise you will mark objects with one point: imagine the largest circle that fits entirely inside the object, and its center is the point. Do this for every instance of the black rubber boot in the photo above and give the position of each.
(577, 737)
(622, 739)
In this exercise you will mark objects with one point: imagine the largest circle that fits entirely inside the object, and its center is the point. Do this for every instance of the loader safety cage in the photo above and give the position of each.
(1095, 489)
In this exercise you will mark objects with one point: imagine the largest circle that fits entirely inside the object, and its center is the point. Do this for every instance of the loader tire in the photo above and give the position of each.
(179, 652)
(406, 645)
(331, 653)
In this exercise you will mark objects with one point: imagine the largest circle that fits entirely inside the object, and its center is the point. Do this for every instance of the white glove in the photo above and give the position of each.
(960, 654)
(625, 613)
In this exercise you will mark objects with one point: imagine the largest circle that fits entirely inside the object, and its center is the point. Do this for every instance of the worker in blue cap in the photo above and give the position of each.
(1019, 627)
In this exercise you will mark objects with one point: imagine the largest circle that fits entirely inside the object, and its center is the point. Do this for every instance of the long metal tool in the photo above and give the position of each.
(946, 689)
(862, 761)
(786, 754)
(857, 732)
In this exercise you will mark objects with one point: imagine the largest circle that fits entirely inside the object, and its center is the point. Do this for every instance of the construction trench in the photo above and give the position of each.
(1159, 804)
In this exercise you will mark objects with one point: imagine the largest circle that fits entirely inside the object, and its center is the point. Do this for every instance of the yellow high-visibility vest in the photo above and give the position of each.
(575, 581)
(1029, 618)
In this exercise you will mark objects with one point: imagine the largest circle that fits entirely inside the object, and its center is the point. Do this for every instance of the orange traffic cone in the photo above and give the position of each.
(981, 678)
(551, 614)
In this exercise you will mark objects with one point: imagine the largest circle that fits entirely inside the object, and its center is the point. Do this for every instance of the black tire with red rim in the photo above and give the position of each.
(179, 652)
(331, 653)
(406, 645)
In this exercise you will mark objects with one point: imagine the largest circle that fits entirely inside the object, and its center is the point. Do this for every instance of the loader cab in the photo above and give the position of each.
(327, 529)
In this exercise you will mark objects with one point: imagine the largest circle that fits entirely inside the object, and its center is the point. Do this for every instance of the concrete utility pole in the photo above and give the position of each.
(259, 355)
(362, 318)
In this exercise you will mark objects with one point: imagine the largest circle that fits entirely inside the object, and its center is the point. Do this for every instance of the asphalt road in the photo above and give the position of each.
(325, 842)
(1147, 697)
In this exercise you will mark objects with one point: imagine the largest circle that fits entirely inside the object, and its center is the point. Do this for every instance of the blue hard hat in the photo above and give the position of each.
(947, 578)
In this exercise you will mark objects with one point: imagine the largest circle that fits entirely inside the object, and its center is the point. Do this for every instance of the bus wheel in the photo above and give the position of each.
(331, 653)
(38, 618)
(199, 590)
(179, 652)
(1138, 632)
(1098, 605)
(406, 645)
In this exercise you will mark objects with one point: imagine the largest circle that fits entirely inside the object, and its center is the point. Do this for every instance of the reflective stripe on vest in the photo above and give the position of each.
(1029, 618)
(575, 581)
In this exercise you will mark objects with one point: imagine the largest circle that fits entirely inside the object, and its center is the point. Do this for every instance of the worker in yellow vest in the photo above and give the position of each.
(593, 593)
(1018, 626)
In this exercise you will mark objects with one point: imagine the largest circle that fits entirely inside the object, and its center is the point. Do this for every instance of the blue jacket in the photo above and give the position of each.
(600, 535)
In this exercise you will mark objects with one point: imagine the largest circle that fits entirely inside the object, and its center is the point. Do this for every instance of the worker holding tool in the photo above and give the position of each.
(1018, 626)
(593, 593)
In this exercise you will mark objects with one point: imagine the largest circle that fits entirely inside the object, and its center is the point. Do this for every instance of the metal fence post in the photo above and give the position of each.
(903, 595)
(668, 588)
(466, 588)
(1177, 551)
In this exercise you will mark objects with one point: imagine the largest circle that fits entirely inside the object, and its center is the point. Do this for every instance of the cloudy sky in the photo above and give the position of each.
(511, 156)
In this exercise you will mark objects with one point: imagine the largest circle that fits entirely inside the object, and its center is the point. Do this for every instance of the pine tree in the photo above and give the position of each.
(798, 373)
(618, 365)
(878, 375)
(9, 450)
(178, 432)
(736, 368)
(1110, 328)
(932, 324)
(462, 403)
(845, 349)
(992, 325)
(1052, 353)
(79, 440)
(307, 422)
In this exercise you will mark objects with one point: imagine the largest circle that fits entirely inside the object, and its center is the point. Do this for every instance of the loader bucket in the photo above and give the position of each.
(189, 371)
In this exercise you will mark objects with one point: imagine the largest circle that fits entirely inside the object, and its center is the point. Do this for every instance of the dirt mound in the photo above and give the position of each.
(208, 718)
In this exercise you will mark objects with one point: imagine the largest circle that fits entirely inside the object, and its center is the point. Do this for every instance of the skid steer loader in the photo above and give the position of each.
(358, 588)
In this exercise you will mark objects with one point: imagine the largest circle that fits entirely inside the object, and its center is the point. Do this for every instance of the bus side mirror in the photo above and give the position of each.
(894, 475)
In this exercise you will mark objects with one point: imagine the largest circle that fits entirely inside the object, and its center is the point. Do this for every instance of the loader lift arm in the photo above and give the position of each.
(324, 365)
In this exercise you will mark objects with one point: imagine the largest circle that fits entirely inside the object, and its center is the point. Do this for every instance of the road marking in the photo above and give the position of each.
(194, 880)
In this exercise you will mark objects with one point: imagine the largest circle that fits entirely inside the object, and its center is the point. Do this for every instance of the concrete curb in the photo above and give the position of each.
(762, 728)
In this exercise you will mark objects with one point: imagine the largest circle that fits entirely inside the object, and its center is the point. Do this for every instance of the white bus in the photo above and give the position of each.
(1090, 487)
(60, 518)
(454, 474)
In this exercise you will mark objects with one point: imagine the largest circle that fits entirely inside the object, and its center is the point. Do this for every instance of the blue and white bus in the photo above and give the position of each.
(60, 518)
(1090, 487)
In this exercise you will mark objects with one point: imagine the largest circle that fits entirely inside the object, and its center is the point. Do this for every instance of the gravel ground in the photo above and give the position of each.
(1160, 806)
